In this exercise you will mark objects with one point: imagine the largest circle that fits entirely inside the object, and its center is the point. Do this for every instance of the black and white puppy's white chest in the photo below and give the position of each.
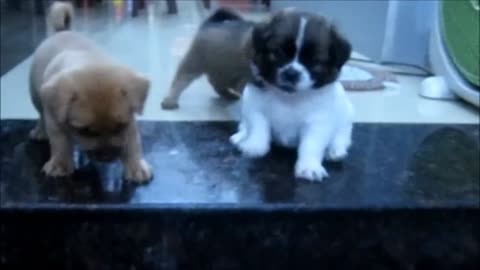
(295, 99)
(292, 116)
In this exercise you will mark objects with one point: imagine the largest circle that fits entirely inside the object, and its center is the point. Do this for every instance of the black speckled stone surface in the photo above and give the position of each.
(407, 197)
(388, 166)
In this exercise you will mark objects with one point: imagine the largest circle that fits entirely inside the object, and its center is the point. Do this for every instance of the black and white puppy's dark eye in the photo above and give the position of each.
(276, 55)
(320, 65)
(319, 68)
(272, 57)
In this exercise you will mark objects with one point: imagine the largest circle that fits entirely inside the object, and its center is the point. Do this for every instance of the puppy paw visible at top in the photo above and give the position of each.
(138, 171)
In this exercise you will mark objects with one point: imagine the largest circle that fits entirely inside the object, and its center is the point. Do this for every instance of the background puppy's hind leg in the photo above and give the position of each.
(228, 89)
(239, 87)
(235, 92)
(186, 74)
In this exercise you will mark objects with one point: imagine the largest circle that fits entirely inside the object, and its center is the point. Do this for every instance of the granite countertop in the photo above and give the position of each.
(389, 166)
(407, 197)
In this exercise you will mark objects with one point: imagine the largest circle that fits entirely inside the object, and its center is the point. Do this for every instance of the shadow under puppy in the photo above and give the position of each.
(219, 51)
(84, 96)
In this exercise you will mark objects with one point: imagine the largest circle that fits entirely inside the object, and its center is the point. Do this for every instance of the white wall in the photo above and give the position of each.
(407, 31)
(389, 30)
(363, 22)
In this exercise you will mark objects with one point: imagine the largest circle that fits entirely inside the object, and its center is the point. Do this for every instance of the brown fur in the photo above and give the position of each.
(220, 53)
(82, 94)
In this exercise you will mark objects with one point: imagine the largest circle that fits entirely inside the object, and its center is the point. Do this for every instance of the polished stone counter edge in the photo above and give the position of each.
(215, 208)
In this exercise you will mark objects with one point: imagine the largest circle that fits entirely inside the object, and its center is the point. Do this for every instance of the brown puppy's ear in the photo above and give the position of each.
(137, 91)
(340, 48)
(57, 95)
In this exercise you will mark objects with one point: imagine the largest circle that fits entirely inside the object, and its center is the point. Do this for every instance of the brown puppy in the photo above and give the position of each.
(83, 96)
(219, 50)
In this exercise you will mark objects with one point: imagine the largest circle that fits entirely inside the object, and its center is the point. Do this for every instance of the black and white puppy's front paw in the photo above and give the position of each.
(236, 138)
(336, 153)
(338, 148)
(250, 146)
(310, 169)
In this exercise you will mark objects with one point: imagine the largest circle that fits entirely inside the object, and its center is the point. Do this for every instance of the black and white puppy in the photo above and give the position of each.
(294, 98)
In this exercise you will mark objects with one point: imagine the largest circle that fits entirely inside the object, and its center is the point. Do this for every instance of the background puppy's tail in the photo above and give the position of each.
(222, 15)
(60, 16)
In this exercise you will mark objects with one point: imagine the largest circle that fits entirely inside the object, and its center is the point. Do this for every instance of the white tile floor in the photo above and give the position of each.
(153, 43)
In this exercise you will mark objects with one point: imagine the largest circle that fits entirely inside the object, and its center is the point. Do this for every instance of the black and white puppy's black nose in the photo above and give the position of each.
(290, 75)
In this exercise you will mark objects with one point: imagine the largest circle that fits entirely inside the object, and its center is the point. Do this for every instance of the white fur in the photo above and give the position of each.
(317, 122)
(305, 82)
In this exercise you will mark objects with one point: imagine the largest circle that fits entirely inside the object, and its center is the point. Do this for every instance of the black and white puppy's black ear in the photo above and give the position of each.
(340, 48)
(258, 47)
(261, 33)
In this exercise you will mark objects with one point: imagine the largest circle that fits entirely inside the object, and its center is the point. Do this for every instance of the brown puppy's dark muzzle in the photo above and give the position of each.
(104, 154)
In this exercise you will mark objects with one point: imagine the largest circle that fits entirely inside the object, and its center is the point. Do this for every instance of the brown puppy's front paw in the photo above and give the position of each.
(138, 171)
(169, 104)
(58, 168)
(37, 134)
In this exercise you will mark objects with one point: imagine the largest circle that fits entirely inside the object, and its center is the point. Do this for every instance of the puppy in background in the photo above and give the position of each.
(84, 96)
(219, 51)
(294, 98)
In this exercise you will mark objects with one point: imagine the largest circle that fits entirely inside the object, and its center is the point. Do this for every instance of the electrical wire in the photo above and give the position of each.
(426, 72)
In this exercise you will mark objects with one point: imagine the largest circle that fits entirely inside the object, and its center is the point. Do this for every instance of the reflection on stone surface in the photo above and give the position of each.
(446, 163)
(389, 165)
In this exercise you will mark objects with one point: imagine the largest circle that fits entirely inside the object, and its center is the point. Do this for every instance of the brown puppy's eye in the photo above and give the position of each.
(119, 127)
(276, 55)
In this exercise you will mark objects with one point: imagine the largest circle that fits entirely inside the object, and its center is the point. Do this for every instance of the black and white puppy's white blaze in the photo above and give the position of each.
(298, 51)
